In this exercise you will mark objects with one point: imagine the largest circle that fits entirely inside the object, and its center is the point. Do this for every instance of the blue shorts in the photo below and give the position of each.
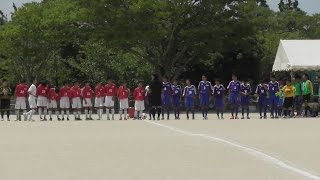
(279, 102)
(189, 102)
(218, 102)
(273, 100)
(166, 101)
(204, 100)
(245, 100)
(176, 101)
(233, 99)
(263, 101)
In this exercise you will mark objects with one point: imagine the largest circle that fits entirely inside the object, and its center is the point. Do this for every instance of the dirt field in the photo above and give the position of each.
(284, 149)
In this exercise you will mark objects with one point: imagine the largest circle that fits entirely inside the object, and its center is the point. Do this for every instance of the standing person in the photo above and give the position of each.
(245, 91)
(87, 95)
(99, 99)
(262, 94)
(5, 97)
(53, 98)
(148, 96)
(42, 93)
(307, 93)
(273, 100)
(139, 95)
(190, 93)
(65, 96)
(21, 92)
(234, 90)
(32, 91)
(123, 96)
(298, 96)
(205, 90)
(111, 93)
(218, 93)
(280, 99)
(166, 97)
(289, 93)
(76, 100)
(155, 87)
(177, 91)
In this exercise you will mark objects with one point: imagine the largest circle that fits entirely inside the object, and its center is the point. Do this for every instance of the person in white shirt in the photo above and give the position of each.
(32, 91)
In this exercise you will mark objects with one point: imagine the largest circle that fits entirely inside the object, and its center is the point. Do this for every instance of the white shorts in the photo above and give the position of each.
(52, 104)
(64, 103)
(139, 105)
(21, 103)
(124, 103)
(98, 102)
(109, 101)
(76, 103)
(88, 104)
(42, 101)
(32, 102)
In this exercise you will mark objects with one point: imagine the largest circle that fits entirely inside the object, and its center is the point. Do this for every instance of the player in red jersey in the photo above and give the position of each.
(52, 104)
(42, 93)
(65, 96)
(111, 92)
(139, 95)
(76, 100)
(99, 99)
(87, 94)
(21, 97)
(123, 95)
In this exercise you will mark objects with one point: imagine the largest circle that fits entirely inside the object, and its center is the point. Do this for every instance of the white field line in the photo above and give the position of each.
(251, 151)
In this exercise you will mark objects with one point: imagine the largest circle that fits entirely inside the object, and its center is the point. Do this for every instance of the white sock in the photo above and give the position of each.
(112, 111)
(125, 113)
(17, 114)
(86, 112)
(107, 112)
(90, 113)
(25, 114)
(50, 113)
(40, 112)
(31, 113)
(68, 113)
(120, 113)
(79, 113)
(57, 114)
(45, 112)
(100, 113)
(75, 114)
(140, 114)
(62, 113)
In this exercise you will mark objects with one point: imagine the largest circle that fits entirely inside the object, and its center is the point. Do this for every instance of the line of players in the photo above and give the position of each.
(43, 98)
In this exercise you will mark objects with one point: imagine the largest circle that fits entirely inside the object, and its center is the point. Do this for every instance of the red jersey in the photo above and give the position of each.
(123, 92)
(42, 91)
(139, 94)
(99, 91)
(110, 89)
(75, 92)
(64, 91)
(21, 90)
(87, 92)
(53, 95)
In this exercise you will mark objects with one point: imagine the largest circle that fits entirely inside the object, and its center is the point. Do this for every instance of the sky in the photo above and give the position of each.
(311, 6)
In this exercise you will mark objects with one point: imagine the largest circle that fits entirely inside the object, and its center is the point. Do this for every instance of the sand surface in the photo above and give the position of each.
(160, 150)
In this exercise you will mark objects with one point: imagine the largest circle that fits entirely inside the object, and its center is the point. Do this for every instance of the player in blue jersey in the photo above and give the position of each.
(218, 93)
(262, 94)
(245, 91)
(273, 99)
(234, 90)
(205, 91)
(189, 93)
(166, 97)
(176, 96)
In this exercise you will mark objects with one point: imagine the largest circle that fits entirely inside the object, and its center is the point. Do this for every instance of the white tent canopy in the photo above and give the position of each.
(297, 55)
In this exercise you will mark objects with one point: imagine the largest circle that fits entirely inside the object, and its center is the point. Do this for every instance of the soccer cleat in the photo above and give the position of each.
(236, 117)
(50, 119)
(108, 119)
(67, 119)
(231, 117)
(218, 117)
(120, 119)
(125, 119)
(242, 117)
(248, 117)
(222, 117)
(87, 119)
(265, 117)
(260, 117)
(62, 119)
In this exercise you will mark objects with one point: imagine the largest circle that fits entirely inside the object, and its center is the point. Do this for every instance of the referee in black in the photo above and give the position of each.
(155, 87)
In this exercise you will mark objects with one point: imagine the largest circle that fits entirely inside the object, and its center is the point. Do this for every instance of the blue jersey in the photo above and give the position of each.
(205, 88)
(234, 87)
(218, 90)
(245, 89)
(262, 90)
(167, 89)
(190, 91)
(176, 90)
(273, 88)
